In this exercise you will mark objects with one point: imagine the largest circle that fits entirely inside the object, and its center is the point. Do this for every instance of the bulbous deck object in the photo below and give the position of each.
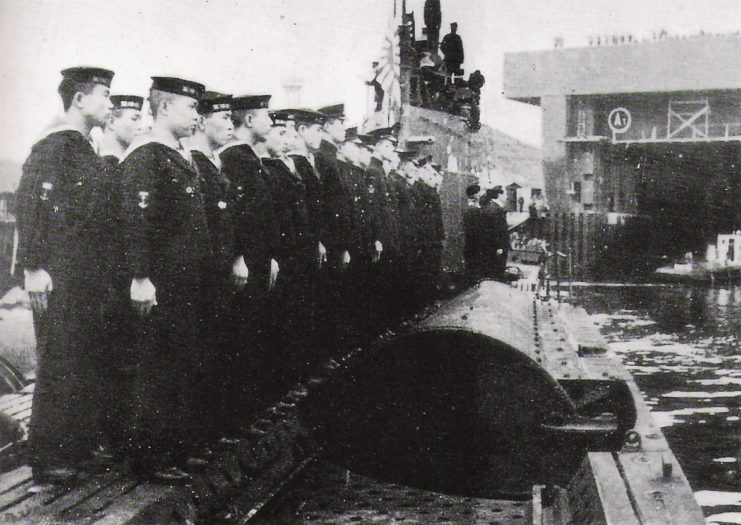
(486, 395)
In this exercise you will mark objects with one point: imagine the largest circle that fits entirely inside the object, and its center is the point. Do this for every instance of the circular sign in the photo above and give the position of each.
(619, 120)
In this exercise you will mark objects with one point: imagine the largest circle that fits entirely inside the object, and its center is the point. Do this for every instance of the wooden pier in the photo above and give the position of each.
(640, 482)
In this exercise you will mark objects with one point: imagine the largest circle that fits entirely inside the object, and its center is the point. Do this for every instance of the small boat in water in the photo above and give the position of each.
(722, 263)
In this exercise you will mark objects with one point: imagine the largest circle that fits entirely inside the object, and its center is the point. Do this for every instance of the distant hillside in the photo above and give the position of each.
(488, 152)
(10, 175)
(513, 161)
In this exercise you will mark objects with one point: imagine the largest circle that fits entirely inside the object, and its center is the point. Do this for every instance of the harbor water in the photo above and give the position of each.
(682, 344)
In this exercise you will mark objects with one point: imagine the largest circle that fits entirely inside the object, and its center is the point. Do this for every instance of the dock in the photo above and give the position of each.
(282, 464)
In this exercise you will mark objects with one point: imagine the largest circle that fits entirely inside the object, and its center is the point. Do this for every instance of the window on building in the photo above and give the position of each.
(576, 188)
(581, 123)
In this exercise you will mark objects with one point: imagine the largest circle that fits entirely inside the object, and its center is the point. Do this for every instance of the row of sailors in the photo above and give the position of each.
(184, 279)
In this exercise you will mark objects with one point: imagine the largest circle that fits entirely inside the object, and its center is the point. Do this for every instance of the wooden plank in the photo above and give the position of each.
(9, 399)
(95, 504)
(11, 499)
(12, 479)
(658, 500)
(28, 498)
(537, 510)
(148, 504)
(20, 406)
(23, 416)
(611, 490)
(598, 495)
(50, 511)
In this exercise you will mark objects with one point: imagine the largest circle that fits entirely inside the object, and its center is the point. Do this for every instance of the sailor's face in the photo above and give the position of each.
(218, 127)
(311, 135)
(349, 150)
(385, 150)
(364, 156)
(291, 136)
(277, 141)
(183, 116)
(335, 129)
(128, 125)
(410, 170)
(261, 123)
(96, 105)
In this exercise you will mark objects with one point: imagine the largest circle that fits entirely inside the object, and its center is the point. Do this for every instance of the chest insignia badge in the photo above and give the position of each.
(143, 195)
(46, 187)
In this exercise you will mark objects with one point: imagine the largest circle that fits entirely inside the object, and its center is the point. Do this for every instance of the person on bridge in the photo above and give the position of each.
(433, 18)
(452, 48)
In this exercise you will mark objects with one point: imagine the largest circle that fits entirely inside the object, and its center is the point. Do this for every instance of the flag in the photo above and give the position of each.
(388, 73)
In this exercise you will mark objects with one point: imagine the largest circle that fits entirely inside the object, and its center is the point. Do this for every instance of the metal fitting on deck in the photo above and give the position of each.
(633, 440)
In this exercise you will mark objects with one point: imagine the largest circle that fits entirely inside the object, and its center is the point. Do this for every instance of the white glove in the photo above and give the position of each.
(240, 272)
(274, 269)
(143, 291)
(345, 258)
(377, 253)
(38, 284)
(322, 254)
(37, 281)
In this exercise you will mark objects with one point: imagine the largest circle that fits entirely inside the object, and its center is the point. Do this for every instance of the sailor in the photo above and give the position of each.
(123, 125)
(337, 224)
(167, 251)
(307, 139)
(495, 235)
(58, 236)
(296, 256)
(337, 214)
(118, 355)
(452, 48)
(432, 234)
(383, 228)
(408, 219)
(256, 239)
(471, 227)
(352, 177)
(226, 272)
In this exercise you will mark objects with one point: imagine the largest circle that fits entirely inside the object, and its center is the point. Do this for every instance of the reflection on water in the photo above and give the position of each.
(682, 345)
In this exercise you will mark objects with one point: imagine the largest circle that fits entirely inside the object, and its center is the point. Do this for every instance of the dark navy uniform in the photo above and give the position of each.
(313, 186)
(119, 349)
(496, 234)
(486, 232)
(337, 230)
(168, 242)
(59, 232)
(316, 281)
(407, 219)
(382, 226)
(297, 257)
(256, 238)
(336, 199)
(217, 300)
(431, 234)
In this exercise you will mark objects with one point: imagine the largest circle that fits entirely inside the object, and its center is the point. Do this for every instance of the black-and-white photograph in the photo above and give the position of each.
(370, 261)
